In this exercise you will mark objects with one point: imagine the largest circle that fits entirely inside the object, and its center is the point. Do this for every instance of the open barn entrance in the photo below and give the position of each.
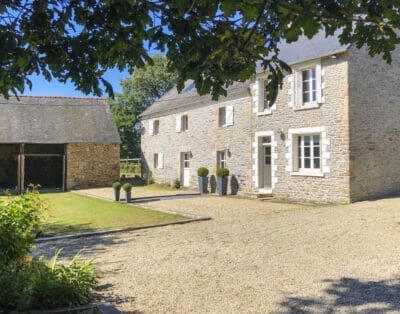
(9, 167)
(37, 164)
(44, 166)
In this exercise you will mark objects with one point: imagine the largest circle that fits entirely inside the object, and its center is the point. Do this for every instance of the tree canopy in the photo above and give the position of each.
(139, 91)
(213, 42)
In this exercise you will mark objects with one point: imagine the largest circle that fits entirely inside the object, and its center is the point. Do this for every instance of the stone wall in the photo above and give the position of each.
(331, 118)
(203, 139)
(374, 125)
(92, 165)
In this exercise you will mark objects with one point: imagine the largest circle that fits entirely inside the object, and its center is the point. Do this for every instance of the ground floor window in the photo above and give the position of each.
(221, 159)
(309, 152)
(158, 161)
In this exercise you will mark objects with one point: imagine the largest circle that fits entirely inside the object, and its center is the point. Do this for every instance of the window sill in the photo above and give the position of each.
(225, 125)
(307, 106)
(264, 113)
(307, 174)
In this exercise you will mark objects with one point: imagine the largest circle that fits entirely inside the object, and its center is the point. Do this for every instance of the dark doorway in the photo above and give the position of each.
(46, 171)
(9, 166)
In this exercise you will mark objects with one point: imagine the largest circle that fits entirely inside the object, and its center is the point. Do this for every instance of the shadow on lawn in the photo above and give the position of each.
(350, 295)
(52, 229)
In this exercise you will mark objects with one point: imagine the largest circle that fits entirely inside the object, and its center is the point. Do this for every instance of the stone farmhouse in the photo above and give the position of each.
(333, 135)
(57, 142)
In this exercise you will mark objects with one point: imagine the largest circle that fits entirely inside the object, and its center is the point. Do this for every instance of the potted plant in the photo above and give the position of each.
(202, 172)
(117, 190)
(128, 189)
(222, 181)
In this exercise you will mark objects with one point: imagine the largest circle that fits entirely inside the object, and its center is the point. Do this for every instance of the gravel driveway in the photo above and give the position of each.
(253, 257)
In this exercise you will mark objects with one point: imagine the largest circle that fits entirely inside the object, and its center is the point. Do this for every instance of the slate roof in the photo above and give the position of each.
(172, 99)
(302, 50)
(56, 120)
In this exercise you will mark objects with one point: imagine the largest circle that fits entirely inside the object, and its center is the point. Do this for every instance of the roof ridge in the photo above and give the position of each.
(60, 97)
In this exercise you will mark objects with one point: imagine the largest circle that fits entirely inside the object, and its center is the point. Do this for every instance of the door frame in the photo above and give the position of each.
(182, 166)
(257, 146)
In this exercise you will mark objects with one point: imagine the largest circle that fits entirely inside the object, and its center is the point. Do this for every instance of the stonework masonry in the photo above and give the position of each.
(91, 165)
(357, 118)
(332, 115)
(374, 112)
(203, 139)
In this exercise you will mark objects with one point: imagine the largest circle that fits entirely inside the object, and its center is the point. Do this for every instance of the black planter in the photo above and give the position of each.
(222, 185)
(117, 194)
(128, 197)
(203, 185)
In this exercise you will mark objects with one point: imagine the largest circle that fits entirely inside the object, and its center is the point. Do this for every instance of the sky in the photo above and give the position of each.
(41, 87)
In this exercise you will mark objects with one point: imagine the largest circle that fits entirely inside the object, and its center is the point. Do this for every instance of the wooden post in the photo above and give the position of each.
(22, 168)
(64, 183)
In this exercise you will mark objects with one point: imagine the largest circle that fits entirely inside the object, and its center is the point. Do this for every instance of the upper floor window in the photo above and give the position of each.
(185, 122)
(154, 127)
(264, 105)
(182, 123)
(225, 116)
(308, 86)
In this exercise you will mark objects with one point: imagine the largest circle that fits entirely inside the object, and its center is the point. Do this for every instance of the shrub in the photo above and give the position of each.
(150, 180)
(41, 285)
(35, 284)
(222, 172)
(177, 184)
(127, 187)
(117, 185)
(19, 224)
(202, 172)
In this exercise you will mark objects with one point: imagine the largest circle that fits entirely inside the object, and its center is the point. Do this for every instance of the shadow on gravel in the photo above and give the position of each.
(88, 246)
(349, 294)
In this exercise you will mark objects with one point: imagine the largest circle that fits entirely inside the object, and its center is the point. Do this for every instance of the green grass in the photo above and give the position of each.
(161, 187)
(71, 213)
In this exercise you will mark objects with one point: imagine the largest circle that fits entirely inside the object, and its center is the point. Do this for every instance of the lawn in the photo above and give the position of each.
(71, 213)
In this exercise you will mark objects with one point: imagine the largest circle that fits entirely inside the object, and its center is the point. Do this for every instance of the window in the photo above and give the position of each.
(185, 122)
(225, 116)
(309, 152)
(221, 159)
(309, 88)
(155, 161)
(156, 127)
(158, 161)
(267, 105)
(182, 123)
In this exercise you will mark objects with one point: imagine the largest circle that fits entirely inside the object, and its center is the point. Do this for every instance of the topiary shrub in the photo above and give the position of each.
(202, 172)
(127, 187)
(117, 185)
(222, 172)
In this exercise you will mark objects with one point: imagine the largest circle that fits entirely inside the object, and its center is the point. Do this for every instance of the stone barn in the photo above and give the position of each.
(58, 143)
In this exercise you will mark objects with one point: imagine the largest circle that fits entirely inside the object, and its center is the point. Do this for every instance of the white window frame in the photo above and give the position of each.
(221, 159)
(292, 154)
(225, 116)
(300, 161)
(297, 92)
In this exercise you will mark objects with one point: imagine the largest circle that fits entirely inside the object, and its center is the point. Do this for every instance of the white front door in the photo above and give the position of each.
(186, 169)
(265, 163)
